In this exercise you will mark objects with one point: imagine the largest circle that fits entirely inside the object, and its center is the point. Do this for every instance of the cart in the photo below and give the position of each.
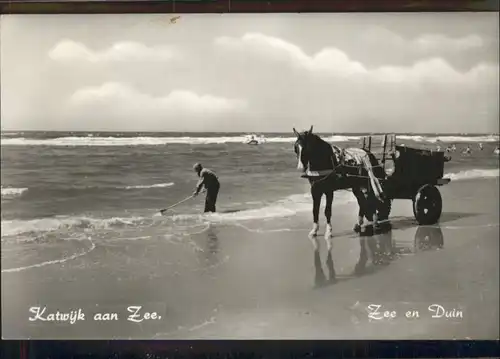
(416, 174)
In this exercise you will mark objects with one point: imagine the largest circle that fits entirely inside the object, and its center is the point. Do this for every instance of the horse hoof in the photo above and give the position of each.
(314, 231)
(357, 228)
(328, 232)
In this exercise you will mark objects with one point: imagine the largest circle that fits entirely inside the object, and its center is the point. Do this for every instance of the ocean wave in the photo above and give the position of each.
(449, 139)
(12, 192)
(473, 174)
(176, 223)
(91, 140)
(150, 141)
(287, 207)
(43, 225)
(158, 185)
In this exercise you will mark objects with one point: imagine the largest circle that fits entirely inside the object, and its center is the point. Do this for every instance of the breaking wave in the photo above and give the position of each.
(43, 225)
(473, 174)
(161, 141)
(286, 207)
(450, 139)
(149, 141)
(158, 185)
(8, 192)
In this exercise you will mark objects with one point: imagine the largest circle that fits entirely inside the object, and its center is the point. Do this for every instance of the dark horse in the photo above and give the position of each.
(329, 168)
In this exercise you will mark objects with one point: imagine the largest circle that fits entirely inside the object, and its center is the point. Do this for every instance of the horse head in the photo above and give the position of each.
(302, 147)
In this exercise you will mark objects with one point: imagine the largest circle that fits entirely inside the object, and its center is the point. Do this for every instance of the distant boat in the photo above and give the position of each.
(254, 140)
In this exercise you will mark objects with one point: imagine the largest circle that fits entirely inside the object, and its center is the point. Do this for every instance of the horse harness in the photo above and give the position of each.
(340, 155)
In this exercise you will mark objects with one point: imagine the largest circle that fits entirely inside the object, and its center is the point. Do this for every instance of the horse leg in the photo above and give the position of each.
(368, 200)
(356, 191)
(371, 204)
(316, 195)
(328, 215)
(329, 235)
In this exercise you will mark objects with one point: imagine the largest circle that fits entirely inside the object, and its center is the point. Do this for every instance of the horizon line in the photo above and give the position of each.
(254, 132)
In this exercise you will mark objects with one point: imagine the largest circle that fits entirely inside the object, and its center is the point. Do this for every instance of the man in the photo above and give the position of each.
(210, 181)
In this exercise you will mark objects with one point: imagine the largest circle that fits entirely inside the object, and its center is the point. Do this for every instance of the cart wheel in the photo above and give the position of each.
(427, 205)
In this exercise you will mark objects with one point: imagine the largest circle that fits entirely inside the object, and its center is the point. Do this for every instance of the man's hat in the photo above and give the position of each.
(197, 167)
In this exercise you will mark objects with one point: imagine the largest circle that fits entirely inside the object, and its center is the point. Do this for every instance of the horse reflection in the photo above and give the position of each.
(320, 278)
(380, 247)
(428, 238)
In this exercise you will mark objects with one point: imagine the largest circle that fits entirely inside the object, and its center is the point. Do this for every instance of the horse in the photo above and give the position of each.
(329, 168)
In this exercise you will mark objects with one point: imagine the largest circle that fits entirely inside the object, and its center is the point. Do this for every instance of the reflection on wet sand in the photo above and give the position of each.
(381, 248)
(428, 238)
(208, 249)
(320, 278)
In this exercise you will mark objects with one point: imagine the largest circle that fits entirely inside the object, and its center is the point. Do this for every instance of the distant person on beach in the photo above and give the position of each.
(210, 181)
(480, 146)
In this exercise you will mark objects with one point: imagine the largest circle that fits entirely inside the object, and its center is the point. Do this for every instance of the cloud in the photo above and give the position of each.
(424, 44)
(331, 61)
(68, 50)
(121, 99)
(432, 42)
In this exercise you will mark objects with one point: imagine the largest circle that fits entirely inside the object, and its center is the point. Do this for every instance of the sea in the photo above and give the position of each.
(70, 185)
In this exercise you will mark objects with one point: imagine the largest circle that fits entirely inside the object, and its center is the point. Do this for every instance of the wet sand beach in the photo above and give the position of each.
(259, 279)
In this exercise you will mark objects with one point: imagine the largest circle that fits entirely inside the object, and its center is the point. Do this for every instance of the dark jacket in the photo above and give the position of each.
(208, 179)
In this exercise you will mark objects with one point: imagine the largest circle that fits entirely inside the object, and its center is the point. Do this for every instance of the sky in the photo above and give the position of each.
(412, 72)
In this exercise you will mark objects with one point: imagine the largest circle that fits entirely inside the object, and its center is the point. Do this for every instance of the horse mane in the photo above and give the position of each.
(316, 139)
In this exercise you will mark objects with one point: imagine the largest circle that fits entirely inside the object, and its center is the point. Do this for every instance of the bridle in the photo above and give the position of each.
(335, 164)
